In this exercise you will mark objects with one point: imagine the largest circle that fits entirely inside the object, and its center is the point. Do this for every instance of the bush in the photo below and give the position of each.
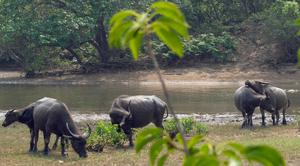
(205, 46)
(190, 126)
(105, 134)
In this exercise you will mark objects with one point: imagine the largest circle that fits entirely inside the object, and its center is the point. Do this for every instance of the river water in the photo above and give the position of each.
(187, 97)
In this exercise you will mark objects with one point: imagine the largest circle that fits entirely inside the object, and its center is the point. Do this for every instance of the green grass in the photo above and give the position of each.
(14, 143)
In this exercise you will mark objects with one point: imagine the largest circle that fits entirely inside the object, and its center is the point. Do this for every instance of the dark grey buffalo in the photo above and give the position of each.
(137, 111)
(246, 100)
(53, 116)
(278, 100)
(25, 116)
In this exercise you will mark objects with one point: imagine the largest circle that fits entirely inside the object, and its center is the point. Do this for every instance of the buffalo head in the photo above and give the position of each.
(257, 86)
(267, 104)
(10, 117)
(79, 141)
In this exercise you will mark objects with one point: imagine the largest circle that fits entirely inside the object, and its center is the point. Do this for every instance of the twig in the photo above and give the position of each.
(157, 70)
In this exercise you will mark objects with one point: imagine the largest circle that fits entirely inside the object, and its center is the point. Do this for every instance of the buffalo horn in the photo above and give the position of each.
(72, 134)
(263, 82)
(88, 133)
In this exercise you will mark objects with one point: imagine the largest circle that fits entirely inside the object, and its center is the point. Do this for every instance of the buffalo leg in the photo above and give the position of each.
(46, 141)
(36, 139)
(127, 130)
(263, 117)
(63, 150)
(277, 117)
(273, 118)
(245, 119)
(67, 142)
(31, 140)
(55, 143)
(283, 117)
(249, 118)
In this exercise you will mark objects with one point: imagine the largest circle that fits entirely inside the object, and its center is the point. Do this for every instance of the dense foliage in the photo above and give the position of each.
(190, 126)
(279, 25)
(105, 134)
(204, 47)
(38, 35)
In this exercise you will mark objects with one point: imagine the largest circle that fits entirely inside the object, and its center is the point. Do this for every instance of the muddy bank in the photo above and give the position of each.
(212, 119)
(204, 74)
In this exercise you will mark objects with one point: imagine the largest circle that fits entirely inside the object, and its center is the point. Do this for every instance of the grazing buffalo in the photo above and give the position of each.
(246, 100)
(25, 116)
(278, 100)
(53, 116)
(137, 111)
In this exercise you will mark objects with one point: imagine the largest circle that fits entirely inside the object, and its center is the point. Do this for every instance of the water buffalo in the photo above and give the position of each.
(137, 111)
(53, 116)
(278, 98)
(25, 116)
(246, 100)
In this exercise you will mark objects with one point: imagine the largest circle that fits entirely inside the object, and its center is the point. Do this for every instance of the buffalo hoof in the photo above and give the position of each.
(65, 154)
(46, 153)
(284, 122)
(54, 147)
(34, 150)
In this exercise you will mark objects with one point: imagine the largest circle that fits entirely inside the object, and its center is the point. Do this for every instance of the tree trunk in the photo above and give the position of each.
(75, 55)
(101, 43)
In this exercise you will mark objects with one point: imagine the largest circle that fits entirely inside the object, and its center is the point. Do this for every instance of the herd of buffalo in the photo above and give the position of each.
(52, 116)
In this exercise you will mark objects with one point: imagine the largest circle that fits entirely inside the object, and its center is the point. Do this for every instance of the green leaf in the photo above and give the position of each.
(206, 160)
(155, 149)
(297, 22)
(170, 38)
(233, 158)
(194, 140)
(161, 161)
(179, 138)
(130, 34)
(135, 45)
(120, 16)
(206, 149)
(236, 146)
(264, 154)
(116, 33)
(169, 7)
(145, 136)
(180, 28)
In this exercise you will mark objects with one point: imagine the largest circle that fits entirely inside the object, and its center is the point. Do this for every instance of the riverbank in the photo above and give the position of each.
(205, 75)
(209, 119)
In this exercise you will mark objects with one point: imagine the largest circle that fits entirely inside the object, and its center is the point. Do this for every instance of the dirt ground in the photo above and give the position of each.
(209, 74)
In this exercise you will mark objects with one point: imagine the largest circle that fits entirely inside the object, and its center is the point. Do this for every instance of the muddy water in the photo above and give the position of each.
(187, 97)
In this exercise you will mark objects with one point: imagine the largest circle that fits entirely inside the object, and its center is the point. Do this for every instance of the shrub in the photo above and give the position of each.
(190, 126)
(205, 46)
(200, 128)
(105, 134)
